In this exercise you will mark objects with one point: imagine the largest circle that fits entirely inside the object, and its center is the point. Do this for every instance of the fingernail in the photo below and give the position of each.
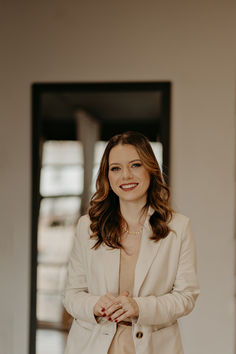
(109, 319)
(116, 320)
(103, 309)
(104, 315)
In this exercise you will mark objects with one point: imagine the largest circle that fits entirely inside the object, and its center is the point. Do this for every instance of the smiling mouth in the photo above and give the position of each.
(128, 187)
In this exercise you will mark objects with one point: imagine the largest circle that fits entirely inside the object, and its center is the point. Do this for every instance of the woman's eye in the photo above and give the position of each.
(137, 164)
(115, 168)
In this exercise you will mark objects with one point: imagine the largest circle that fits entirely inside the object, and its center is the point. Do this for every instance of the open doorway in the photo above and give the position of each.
(71, 125)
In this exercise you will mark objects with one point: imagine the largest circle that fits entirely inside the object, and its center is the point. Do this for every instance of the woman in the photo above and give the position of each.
(132, 271)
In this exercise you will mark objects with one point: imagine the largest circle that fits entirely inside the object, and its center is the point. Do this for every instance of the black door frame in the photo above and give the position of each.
(38, 89)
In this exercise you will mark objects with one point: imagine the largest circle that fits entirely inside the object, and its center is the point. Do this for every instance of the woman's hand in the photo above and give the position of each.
(121, 308)
(103, 302)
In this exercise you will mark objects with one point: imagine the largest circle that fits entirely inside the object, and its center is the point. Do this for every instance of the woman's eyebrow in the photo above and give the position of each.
(114, 163)
(135, 160)
(118, 163)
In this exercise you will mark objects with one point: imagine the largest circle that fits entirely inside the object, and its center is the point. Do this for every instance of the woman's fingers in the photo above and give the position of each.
(105, 303)
(128, 309)
(118, 309)
(107, 299)
(119, 299)
(109, 305)
(122, 316)
(102, 303)
(116, 315)
(113, 308)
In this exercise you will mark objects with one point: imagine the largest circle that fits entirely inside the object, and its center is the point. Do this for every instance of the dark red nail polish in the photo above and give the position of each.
(109, 319)
(103, 309)
(116, 320)
(104, 315)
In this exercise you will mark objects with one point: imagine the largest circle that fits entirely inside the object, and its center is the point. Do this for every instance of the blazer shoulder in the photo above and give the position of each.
(84, 220)
(179, 222)
(179, 218)
(83, 227)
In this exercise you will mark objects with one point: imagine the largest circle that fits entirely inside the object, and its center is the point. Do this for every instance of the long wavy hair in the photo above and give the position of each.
(104, 211)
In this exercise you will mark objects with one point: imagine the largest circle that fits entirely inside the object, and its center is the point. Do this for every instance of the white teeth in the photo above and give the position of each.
(129, 186)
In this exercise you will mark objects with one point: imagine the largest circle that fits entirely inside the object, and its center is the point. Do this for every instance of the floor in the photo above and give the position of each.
(50, 341)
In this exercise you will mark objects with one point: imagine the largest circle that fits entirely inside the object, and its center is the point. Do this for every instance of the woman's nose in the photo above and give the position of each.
(127, 173)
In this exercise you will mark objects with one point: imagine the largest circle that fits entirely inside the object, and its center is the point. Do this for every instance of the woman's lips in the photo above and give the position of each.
(128, 186)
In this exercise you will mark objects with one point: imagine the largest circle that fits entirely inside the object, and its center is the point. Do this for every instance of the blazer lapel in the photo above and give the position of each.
(147, 253)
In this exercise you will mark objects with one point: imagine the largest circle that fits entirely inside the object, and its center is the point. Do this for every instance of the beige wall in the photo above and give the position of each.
(188, 44)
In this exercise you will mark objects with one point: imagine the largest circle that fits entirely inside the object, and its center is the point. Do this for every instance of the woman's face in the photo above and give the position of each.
(128, 177)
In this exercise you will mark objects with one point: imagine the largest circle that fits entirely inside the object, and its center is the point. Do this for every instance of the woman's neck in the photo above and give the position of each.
(133, 213)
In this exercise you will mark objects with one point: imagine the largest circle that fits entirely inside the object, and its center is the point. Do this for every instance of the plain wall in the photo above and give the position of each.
(186, 42)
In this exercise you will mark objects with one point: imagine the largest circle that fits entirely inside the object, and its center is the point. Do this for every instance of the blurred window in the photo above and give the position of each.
(61, 186)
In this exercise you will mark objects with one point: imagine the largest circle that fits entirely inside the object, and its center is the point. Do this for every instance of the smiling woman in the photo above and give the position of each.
(132, 270)
(128, 158)
(128, 177)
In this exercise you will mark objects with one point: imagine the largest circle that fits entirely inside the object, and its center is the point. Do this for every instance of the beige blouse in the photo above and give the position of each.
(123, 340)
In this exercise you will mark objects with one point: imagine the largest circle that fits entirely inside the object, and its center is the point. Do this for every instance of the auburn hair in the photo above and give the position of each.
(104, 211)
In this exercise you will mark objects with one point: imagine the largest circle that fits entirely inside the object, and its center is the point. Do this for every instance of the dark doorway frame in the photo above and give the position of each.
(38, 89)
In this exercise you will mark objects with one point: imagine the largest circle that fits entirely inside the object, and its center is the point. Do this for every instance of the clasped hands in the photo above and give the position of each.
(116, 308)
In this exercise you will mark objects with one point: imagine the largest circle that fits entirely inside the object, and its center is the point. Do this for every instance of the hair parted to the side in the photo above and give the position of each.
(104, 211)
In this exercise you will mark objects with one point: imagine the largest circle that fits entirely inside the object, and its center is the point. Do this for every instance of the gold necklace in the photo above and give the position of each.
(133, 232)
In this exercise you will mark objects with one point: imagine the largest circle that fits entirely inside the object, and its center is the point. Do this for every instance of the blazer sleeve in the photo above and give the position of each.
(167, 308)
(76, 299)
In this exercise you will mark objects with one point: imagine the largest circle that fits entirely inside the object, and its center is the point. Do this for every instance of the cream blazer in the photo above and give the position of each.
(165, 289)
